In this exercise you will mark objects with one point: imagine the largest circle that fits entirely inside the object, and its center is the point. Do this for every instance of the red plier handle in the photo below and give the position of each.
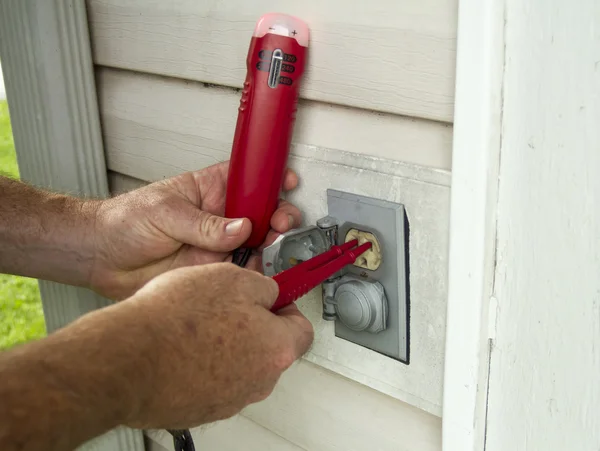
(300, 279)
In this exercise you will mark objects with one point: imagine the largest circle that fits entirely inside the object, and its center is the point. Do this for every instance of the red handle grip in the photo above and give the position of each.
(264, 128)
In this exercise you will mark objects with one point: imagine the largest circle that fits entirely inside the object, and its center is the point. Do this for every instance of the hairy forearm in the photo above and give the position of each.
(76, 384)
(45, 235)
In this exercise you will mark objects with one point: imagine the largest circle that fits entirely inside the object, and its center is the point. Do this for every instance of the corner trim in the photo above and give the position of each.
(474, 200)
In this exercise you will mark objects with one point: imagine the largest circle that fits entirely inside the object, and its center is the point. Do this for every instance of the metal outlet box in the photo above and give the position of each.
(388, 222)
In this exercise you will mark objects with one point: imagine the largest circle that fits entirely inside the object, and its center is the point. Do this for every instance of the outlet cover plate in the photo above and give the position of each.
(388, 222)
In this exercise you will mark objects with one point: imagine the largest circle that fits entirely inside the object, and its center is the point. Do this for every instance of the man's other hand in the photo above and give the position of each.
(216, 346)
(171, 224)
(192, 346)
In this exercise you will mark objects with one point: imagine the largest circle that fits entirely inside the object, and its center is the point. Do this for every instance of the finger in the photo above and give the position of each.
(194, 256)
(271, 237)
(242, 283)
(190, 225)
(290, 180)
(260, 290)
(298, 327)
(286, 217)
(255, 263)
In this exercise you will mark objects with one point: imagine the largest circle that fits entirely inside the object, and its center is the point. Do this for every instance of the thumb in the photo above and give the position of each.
(207, 231)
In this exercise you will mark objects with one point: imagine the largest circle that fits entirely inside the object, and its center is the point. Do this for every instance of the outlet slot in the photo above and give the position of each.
(371, 259)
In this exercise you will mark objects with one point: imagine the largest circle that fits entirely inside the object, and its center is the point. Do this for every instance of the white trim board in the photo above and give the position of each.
(523, 332)
(544, 383)
(476, 154)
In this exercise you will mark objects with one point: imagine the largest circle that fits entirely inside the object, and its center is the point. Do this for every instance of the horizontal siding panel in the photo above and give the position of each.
(315, 409)
(320, 410)
(383, 55)
(186, 123)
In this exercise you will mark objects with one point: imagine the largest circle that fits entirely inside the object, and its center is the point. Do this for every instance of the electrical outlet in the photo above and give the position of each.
(388, 223)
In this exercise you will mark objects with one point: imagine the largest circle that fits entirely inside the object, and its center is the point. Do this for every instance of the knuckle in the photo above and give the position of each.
(264, 393)
(209, 224)
(263, 390)
(155, 204)
(228, 266)
(227, 279)
(309, 337)
(246, 278)
(283, 359)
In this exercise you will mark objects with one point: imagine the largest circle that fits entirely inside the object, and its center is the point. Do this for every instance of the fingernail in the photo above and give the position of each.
(291, 221)
(234, 227)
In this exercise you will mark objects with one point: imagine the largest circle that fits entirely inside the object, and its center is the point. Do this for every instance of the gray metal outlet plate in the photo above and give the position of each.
(387, 220)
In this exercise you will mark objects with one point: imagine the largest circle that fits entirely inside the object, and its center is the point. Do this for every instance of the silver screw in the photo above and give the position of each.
(327, 222)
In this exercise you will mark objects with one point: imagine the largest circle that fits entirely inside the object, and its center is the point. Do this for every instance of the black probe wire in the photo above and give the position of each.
(182, 438)
(241, 257)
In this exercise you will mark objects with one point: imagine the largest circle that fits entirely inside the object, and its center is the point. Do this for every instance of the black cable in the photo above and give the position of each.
(182, 440)
(241, 257)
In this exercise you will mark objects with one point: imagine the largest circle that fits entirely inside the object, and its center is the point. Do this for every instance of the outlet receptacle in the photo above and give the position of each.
(386, 221)
(371, 259)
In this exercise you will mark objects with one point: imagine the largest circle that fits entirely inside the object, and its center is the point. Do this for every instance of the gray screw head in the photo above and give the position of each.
(327, 222)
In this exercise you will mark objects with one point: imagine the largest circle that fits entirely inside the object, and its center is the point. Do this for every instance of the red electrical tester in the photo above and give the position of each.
(275, 62)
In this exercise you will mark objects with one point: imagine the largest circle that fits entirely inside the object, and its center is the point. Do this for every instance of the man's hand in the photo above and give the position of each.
(170, 224)
(192, 346)
(218, 347)
(117, 245)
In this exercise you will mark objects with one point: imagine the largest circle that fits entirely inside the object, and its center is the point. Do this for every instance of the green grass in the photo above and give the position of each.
(8, 157)
(21, 316)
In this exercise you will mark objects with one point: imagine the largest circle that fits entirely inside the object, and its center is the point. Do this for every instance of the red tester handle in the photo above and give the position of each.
(275, 63)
